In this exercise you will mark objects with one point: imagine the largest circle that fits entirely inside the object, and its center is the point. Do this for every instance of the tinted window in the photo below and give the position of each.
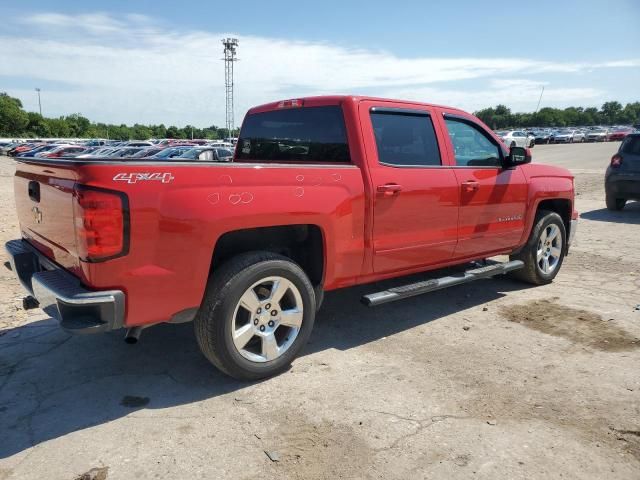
(404, 139)
(308, 134)
(471, 146)
(631, 145)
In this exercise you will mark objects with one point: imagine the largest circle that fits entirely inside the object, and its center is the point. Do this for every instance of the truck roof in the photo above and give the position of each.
(339, 99)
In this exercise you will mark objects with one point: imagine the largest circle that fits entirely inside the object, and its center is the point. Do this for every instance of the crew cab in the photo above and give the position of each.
(322, 193)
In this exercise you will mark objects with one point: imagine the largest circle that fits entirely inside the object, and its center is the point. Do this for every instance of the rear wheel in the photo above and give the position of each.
(614, 203)
(257, 314)
(544, 252)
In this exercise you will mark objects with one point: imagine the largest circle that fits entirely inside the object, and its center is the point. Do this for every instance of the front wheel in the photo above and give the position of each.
(544, 252)
(257, 314)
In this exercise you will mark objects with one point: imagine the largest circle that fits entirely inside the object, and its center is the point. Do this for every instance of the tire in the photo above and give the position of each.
(551, 224)
(615, 204)
(319, 292)
(513, 144)
(222, 313)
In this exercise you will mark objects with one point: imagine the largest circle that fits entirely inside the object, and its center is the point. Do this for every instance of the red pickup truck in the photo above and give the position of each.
(322, 193)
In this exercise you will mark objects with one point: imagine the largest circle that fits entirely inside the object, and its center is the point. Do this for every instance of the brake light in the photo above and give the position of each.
(616, 160)
(101, 223)
(291, 103)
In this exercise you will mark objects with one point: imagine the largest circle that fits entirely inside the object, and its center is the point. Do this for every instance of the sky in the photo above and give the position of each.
(156, 61)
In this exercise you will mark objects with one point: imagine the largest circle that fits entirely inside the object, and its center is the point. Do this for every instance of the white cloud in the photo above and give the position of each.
(130, 69)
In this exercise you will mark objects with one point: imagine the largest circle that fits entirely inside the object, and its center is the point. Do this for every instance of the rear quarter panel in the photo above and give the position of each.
(177, 219)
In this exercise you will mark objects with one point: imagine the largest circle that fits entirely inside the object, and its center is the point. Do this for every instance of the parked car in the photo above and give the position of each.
(567, 135)
(171, 152)
(24, 147)
(147, 152)
(100, 152)
(622, 179)
(137, 143)
(4, 150)
(41, 149)
(247, 252)
(124, 152)
(95, 143)
(517, 138)
(63, 151)
(620, 133)
(207, 154)
(598, 135)
(540, 137)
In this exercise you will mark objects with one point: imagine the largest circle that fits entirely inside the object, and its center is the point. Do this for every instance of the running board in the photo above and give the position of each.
(413, 289)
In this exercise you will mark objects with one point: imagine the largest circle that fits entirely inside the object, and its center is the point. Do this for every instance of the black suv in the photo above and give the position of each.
(622, 180)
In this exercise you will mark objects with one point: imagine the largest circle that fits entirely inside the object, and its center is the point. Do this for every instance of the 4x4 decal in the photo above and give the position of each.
(143, 177)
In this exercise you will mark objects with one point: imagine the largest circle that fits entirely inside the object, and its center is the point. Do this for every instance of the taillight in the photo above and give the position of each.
(616, 160)
(101, 223)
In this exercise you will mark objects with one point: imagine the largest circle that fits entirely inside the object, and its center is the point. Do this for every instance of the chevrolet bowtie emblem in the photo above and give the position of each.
(37, 214)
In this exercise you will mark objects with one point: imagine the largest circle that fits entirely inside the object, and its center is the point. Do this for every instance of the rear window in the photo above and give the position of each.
(308, 134)
(631, 145)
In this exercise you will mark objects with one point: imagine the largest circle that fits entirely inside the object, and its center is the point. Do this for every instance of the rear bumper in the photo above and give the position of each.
(623, 185)
(61, 295)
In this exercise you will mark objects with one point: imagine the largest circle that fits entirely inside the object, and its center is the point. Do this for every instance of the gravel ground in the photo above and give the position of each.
(492, 380)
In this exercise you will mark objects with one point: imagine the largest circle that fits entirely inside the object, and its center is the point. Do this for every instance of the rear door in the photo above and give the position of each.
(492, 199)
(415, 206)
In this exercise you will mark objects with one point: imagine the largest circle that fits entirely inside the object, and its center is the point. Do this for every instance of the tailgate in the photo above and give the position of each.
(44, 202)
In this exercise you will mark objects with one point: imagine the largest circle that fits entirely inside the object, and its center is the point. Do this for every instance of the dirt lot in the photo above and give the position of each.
(493, 380)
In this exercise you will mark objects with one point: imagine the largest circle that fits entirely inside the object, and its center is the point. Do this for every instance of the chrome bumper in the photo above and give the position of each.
(61, 295)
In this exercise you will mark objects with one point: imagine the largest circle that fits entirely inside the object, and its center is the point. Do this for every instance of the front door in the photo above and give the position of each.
(493, 199)
(415, 206)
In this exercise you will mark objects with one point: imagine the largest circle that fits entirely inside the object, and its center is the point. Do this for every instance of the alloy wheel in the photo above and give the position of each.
(549, 249)
(267, 319)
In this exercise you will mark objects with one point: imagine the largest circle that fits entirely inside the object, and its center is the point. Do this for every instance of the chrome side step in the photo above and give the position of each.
(413, 289)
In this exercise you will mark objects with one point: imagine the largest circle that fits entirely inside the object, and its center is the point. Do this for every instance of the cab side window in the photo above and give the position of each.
(405, 139)
(472, 147)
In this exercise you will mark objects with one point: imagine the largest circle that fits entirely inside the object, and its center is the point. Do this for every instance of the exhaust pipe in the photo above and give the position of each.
(133, 335)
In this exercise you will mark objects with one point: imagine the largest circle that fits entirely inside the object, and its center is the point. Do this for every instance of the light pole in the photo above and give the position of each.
(39, 103)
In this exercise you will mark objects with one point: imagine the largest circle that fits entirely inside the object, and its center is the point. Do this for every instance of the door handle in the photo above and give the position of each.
(389, 189)
(470, 186)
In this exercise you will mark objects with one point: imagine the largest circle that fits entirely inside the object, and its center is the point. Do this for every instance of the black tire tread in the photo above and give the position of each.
(614, 204)
(209, 334)
(529, 273)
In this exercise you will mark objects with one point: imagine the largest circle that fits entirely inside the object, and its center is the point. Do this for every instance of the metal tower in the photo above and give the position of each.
(230, 46)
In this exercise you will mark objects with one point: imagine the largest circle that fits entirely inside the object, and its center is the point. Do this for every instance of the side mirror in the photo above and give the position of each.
(518, 156)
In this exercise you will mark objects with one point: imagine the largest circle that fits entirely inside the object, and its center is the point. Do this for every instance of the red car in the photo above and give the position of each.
(323, 193)
(25, 147)
(619, 134)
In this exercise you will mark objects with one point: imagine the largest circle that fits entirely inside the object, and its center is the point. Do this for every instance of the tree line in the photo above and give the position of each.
(611, 113)
(16, 122)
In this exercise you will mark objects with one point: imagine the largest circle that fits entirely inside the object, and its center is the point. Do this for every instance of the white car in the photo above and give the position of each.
(567, 135)
(517, 138)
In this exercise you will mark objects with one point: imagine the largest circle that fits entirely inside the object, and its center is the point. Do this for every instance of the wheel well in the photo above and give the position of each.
(301, 243)
(562, 207)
